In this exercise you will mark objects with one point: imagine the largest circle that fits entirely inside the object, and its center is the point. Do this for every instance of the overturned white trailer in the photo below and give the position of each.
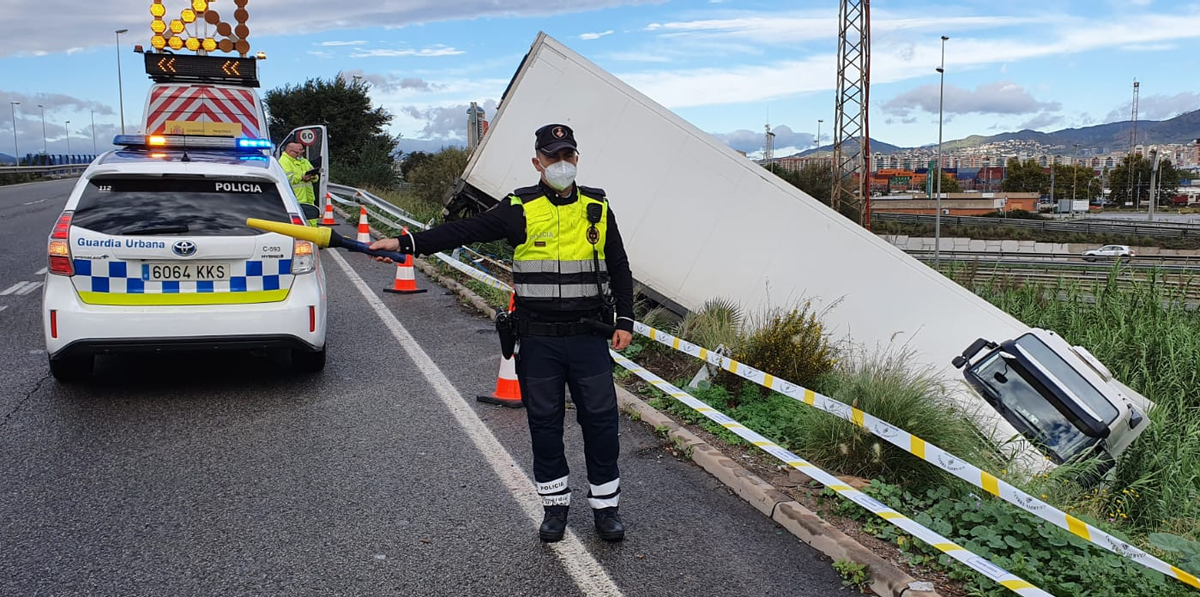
(701, 221)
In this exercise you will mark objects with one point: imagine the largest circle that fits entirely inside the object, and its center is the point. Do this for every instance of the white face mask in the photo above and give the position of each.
(560, 174)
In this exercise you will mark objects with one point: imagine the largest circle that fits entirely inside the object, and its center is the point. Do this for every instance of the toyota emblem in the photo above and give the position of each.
(184, 248)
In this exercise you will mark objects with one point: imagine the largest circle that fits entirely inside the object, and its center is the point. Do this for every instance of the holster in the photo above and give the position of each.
(507, 329)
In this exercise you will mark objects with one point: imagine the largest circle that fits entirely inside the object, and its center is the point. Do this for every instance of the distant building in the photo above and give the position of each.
(956, 204)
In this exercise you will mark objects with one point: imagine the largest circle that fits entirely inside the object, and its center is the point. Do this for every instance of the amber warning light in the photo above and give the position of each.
(165, 68)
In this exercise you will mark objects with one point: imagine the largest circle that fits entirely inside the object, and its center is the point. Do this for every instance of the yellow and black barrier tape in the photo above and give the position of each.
(925, 451)
(975, 562)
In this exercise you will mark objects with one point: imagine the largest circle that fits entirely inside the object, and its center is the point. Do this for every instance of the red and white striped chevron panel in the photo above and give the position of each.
(202, 104)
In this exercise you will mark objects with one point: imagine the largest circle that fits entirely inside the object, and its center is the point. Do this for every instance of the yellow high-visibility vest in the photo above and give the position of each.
(556, 266)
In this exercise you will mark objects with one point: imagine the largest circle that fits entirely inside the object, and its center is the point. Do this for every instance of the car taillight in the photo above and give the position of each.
(312, 318)
(58, 249)
(304, 257)
(297, 220)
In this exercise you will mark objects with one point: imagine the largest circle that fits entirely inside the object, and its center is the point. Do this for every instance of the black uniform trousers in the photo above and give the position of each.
(545, 366)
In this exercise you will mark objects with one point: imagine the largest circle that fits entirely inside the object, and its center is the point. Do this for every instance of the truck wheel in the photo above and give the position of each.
(73, 368)
(307, 361)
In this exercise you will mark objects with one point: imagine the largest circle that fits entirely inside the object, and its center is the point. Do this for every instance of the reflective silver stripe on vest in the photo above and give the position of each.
(551, 266)
(542, 291)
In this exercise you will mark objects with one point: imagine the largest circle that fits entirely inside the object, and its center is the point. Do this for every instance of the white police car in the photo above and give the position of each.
(152, 253)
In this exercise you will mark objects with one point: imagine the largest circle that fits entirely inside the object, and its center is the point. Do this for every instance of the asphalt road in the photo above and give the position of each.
(228, 474)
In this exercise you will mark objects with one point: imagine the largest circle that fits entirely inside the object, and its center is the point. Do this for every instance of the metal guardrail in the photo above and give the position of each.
(1165, 262)
(1081, 226)
(374, 202)
(60, 168)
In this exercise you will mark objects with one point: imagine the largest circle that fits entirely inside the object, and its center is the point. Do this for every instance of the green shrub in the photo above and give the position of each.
(791, 345)
(1044, 555)
(718, 323)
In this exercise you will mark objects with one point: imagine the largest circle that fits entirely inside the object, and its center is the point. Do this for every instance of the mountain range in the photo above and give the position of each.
(1097, 139)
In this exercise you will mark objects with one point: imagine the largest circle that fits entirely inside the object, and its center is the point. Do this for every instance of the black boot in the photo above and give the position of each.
(608, 524)
(554, 525)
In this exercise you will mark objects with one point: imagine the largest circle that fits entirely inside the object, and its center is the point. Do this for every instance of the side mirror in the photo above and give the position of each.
(310, 211)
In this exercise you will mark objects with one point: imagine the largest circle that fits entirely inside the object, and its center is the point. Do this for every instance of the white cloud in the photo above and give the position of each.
(424, 52)
(1000, 97)
(787, 141)
(1041, 121)
(587, 36)
(820, 25)
(357, 42)
(635, 57)
(1157, 107)
(1148, 47)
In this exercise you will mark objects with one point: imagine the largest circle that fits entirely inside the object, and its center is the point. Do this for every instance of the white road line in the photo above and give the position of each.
(29, 287)
(14, 288)
(587, 573)
(3, 307)
(41, 272)
(35, 202)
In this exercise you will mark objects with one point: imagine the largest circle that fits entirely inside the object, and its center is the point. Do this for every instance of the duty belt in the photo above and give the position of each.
(560, 329)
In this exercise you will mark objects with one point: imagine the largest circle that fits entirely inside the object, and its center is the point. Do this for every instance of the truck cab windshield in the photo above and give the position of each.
(1022, 400)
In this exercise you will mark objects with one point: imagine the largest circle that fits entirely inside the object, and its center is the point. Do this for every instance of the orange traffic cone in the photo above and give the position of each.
(406, 279)
(364, 228)
(327, 220)
(406, 275)
(508, 390)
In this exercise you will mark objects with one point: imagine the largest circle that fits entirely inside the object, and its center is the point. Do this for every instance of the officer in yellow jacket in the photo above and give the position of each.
(297, 167)
(574, 292)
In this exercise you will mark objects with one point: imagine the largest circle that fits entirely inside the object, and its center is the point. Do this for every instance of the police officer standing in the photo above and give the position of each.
(570, 273)
(297, 168)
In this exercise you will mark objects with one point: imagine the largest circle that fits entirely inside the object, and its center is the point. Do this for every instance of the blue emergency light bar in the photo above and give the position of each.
(192, 142)
(254, 144)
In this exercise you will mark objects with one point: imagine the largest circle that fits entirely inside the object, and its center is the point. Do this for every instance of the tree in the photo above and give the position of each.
(359, 145)
(412, 162)
(1119, 180)
(813, 179)
(1066, 176)
(1024, 177)
(435, 176)
(949, 184)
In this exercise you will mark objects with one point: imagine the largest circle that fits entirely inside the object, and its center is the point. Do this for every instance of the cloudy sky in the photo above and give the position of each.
(728, 66)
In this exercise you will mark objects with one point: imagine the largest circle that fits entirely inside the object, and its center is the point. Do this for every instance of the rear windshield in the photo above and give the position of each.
(193, 206)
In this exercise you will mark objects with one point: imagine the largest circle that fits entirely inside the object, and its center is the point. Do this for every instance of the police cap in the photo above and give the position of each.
(554, 138)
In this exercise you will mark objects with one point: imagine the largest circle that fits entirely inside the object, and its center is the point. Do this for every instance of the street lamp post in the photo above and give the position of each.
(1154, 163)
(120, 88)
(67, 127)
(45, 148)
(94, 132)
(16, 152)
(818, 139)
(937, 217)
(1074, 174)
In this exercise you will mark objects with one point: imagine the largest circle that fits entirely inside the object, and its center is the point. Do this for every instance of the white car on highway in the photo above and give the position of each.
(152, 253)
(1108, 252)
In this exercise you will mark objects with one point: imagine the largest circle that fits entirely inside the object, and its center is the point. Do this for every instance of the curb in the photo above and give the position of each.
(885, 578)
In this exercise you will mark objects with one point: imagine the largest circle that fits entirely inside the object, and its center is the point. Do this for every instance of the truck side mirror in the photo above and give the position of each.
(1135, 418)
